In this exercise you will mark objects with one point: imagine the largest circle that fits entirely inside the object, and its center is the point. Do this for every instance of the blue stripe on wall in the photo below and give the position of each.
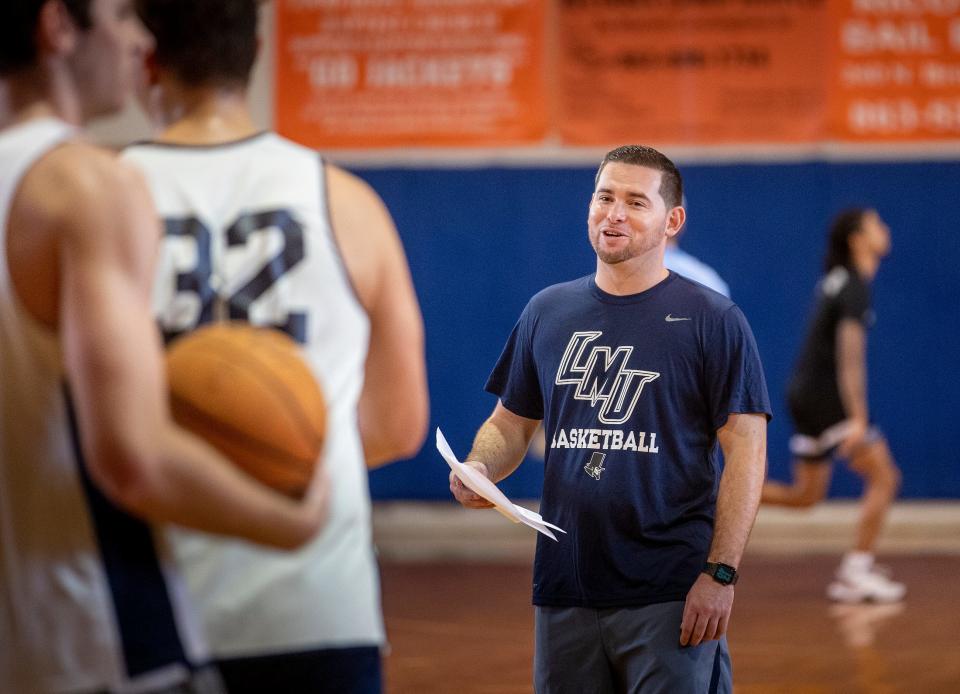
(482, 241)
(144, 613)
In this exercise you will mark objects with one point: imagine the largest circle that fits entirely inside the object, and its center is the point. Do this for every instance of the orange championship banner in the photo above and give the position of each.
(896, 70)
(385, 73)
(692, 71)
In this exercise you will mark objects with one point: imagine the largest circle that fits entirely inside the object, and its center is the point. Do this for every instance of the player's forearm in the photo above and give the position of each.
(851, 369)
(192, 485)
(743, 440)
(500, 446)
(147, 466)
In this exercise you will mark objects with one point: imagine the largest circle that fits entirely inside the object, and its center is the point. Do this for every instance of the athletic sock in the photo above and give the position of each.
(857, 561)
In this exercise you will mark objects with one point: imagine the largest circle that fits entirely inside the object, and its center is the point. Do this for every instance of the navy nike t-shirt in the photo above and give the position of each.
(632, 390)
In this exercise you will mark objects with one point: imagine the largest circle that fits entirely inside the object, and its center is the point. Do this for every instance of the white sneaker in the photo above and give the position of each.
(865, 586)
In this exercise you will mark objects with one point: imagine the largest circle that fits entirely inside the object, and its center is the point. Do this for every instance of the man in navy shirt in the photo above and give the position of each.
(638, 374)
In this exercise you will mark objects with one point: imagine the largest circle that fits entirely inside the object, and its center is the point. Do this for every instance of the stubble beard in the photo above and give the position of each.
(637, 247)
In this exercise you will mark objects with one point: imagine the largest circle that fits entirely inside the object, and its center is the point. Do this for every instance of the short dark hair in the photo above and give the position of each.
(671, 183)
(203, 42)
(845, 224)
(18, 30)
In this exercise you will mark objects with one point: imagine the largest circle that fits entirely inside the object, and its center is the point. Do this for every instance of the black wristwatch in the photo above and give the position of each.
(724, 574)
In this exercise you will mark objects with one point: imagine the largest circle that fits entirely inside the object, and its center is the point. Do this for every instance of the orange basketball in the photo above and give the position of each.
(249, 393)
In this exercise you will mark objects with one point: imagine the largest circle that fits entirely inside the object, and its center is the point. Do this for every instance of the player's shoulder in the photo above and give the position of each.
(88, 199)
(345, 184)
(78, 178)
(287, 153)
(78, 166)
(355, 207)
(834, 281)
(841, 281)
(281, 152)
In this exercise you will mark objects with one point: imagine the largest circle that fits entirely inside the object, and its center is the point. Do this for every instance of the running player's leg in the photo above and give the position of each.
(818, 429)
(881, 479)
(858, 579)
(811, 479)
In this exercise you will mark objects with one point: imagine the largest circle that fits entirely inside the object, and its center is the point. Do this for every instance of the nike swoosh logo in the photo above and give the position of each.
(673, 319)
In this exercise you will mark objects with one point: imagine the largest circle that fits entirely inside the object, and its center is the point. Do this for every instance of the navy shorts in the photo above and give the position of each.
(322, 671)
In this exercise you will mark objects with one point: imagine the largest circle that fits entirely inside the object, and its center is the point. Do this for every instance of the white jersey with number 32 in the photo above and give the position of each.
(248, 237)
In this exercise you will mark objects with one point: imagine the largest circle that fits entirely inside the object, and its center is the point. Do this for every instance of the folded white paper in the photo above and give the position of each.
(478, 483)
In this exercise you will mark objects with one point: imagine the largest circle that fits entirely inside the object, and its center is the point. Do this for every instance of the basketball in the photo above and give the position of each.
(248, 392)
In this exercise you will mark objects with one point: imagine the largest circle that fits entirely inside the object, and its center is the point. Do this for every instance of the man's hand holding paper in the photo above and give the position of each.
(464, 494)
(472, 488)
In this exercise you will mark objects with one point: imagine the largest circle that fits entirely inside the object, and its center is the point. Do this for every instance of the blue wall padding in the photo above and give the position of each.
(482, 241)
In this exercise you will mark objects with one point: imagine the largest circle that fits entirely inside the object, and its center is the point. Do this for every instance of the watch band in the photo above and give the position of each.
(723, 574)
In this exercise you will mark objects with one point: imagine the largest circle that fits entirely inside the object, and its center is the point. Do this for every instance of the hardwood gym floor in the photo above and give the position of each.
(467, 629)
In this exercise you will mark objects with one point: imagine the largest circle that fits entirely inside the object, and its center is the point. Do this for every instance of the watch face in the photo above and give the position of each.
(724, 573)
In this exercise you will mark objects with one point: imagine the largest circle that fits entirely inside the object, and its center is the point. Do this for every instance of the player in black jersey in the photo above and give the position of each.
(827, 397)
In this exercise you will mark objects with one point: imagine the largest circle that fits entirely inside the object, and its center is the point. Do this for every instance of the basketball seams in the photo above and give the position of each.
(301, 420)
(221, 428)
(293, 356)
(280, 389)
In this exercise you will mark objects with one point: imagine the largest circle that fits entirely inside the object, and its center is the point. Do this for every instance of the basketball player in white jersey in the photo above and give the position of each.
(87, 445)
(259, 228)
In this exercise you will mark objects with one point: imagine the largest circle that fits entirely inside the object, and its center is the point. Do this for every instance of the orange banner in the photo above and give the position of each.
(382, 73)
(896, 74)
(692, 71)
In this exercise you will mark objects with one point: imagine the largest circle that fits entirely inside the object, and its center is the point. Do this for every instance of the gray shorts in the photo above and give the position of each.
(634, 650)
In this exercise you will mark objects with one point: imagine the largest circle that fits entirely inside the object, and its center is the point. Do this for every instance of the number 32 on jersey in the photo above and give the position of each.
(252, 255)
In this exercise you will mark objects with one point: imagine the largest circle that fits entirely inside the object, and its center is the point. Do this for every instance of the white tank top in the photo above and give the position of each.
(248, 236)
(85, 601)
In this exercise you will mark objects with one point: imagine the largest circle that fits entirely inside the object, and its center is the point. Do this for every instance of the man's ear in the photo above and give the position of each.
(56, 32)
(676, 218)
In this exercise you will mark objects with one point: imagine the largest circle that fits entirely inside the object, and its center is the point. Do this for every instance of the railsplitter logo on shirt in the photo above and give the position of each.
(601, 376)
(594, 466)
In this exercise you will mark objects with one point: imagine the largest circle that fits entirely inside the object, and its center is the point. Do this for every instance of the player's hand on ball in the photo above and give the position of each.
(464, 494)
